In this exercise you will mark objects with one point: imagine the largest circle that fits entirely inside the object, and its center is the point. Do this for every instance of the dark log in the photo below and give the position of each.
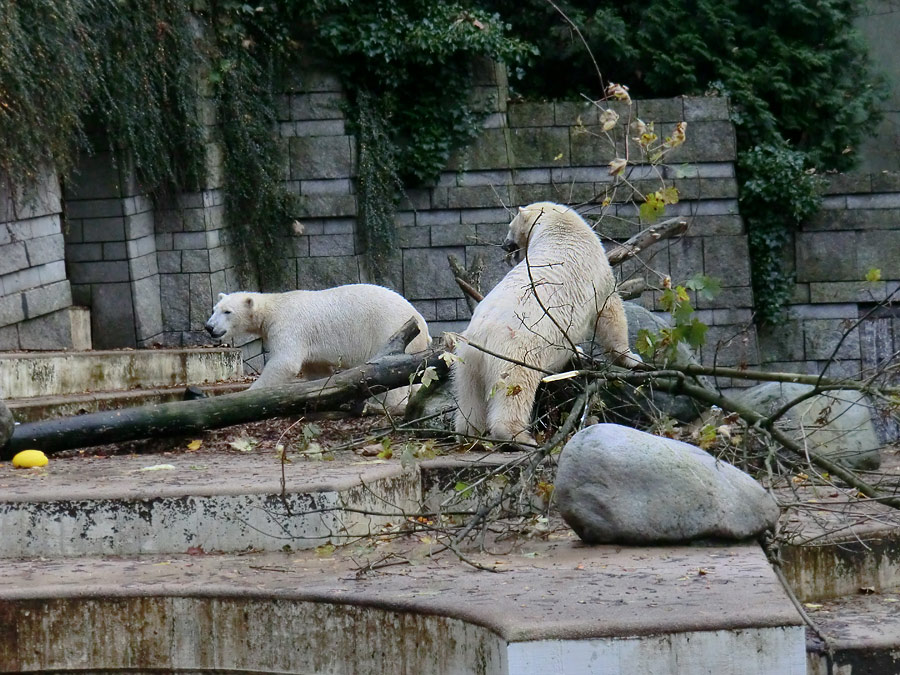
(390, 369)
(398, 341)
(179, 418)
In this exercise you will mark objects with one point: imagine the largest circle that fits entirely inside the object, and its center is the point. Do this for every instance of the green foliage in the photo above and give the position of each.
(250, 43)
(74, 69)
(377, 187)
(796, 73)
(778, 193)
(419, 57)
(686, 328)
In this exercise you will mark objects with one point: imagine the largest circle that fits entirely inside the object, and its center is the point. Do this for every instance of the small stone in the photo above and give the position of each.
(617, 485)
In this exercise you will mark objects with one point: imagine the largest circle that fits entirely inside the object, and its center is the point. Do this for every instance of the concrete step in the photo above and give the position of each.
(48, 407)
(205, 500)
(554, 606)
(32, 374)
(838, 543)
(861, 631)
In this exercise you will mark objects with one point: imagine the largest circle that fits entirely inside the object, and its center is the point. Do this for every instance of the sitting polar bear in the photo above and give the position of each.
(310, 333)
(561, 294)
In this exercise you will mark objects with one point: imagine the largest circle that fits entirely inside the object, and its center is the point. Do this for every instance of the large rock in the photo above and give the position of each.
(645, 403)
(617, 485)
(836, 424)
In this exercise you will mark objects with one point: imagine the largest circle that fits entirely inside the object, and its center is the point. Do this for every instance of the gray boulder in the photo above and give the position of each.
(618, 485)
(836, 424)
(646, 404)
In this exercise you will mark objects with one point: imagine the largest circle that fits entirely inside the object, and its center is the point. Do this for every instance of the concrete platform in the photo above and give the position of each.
(29, 374)
(554, 607)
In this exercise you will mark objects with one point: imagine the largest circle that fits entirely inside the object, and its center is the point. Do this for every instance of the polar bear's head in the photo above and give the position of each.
(233, 314)
(524, 224)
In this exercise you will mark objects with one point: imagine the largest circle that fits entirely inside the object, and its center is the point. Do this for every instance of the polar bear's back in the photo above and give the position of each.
(344, 325)
(565, 274)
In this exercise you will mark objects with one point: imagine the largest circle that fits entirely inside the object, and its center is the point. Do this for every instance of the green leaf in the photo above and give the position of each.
(644, 343)
(461, 487)
(696, 336)
(873, 275)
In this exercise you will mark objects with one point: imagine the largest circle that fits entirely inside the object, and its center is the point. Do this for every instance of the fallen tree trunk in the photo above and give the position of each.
(186, 417)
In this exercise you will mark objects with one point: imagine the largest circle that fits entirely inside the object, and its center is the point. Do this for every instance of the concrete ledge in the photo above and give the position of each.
(563, 608)
(54, 373)
(211, 502)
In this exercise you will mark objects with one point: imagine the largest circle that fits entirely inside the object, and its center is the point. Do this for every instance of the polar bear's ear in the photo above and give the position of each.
(521, 209)
(221, 295)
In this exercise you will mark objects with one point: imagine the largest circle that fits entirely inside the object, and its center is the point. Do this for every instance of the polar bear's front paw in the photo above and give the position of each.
(630, 360)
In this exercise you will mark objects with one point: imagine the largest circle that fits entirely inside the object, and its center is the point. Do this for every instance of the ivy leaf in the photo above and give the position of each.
(644, 343)
(873, 275)
(696, 336)
(652, 209)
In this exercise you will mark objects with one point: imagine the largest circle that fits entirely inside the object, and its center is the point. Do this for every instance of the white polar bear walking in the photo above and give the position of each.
(310, 333)
(563, 292)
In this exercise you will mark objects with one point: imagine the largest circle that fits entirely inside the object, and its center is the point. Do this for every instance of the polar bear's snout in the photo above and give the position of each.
(213, 331)
(512, 247)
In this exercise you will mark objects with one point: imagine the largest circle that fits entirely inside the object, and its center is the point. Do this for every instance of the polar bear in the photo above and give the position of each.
(562, 293)
(310, 333)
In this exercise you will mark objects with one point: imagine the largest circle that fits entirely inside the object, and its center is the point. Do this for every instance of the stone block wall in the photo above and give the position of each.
(527, 152)
(35, 295)
(835, 313)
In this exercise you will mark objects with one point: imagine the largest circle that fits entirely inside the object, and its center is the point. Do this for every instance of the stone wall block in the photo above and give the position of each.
(12, 309)
(139, 225)
(591, 147)
(114, 250)
(539, 146)
(531, 115)
(782, 343)
(112, 315)
(574, 113)
(453, 235)
(712, 141)
(701, 108)
(318, 157)
(660, 110)
(489, 151)
(103, 229)
(143, 266)
(822, 337)
(426, 274)
(879, 249)
(111, 272)
(147, 307)
(826, 256)
(727, 259)
(175, 298)
(13, 257)
(325, 272)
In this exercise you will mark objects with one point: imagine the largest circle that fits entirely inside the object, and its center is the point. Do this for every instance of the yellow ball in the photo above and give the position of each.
(29, 458)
